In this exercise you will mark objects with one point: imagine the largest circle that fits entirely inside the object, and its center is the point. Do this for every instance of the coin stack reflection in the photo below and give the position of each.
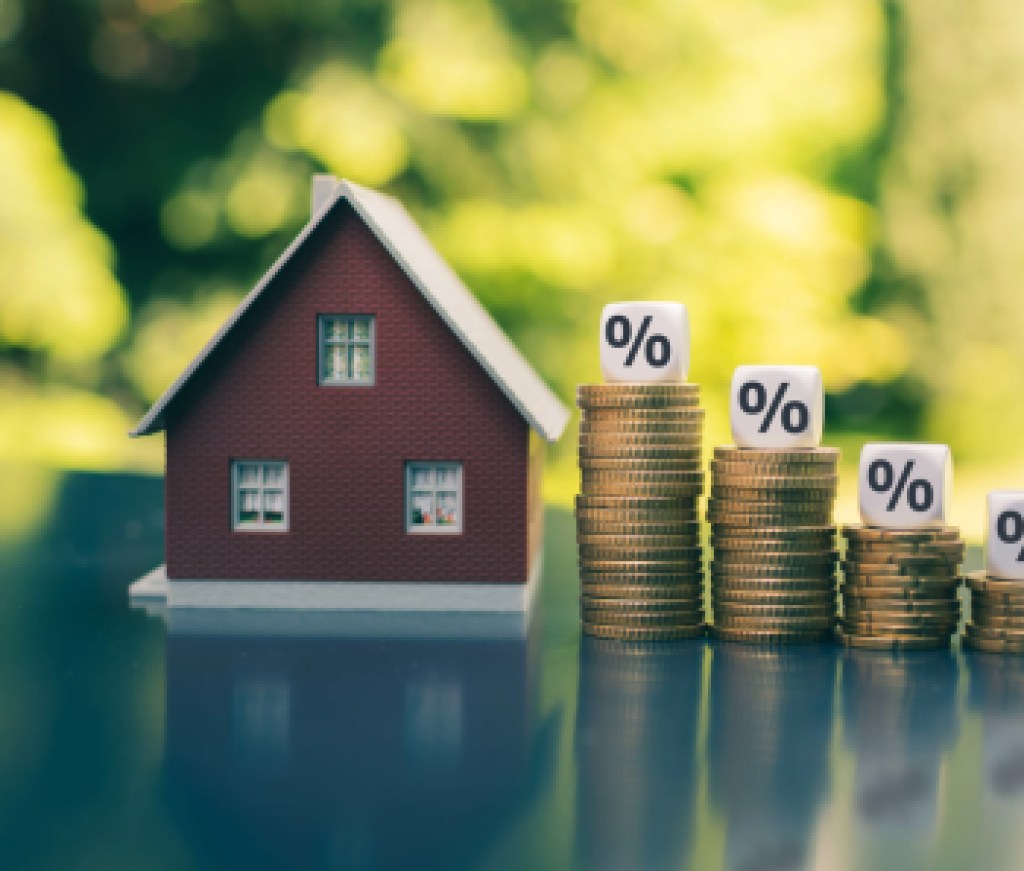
(997, 614)
(637, 522)
(773, 570)
(900, 587)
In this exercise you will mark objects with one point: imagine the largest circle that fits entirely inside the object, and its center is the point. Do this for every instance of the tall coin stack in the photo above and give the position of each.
(900, 587)
(773, 571)
(997, 614)
(637, 520)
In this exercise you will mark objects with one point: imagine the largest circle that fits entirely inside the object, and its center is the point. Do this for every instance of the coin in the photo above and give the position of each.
(758, 570)
(918, 564)
(683, 528)
(921, 535)
(992, 645)
(646, 633)
(733, 549)
(738, 518)
(981, 582)
(997, 621)
(892, 605)
(623, 553)
(587, 502)
(919, 588)
(636, 395)
(726, 532)
(616, 487)
(641, 567)
(817, 582)
(632, 577)
(759, 596)
(691, 420)
(754, 636)
(728, 620)
(894, 571)
(878, 616)
(807, 510)
(611, 451)
(642, 467)
(629, 542)
(777, 558)
(777, 455)
(756, 481)
(908, 627)
(622, 611)
(893, 643)
(867, 549)
(995, 632)
(762, 611)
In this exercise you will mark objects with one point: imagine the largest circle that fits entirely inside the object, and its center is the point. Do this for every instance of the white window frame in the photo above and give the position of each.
(236, 490)
(433, 529)
(322, 342)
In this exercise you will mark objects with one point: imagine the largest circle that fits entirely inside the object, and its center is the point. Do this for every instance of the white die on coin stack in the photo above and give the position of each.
(776, 406)
(645, 342)
(902, 485)
(1004, 557)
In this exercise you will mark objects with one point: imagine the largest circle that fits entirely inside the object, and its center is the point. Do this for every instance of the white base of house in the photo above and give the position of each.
(157, 593)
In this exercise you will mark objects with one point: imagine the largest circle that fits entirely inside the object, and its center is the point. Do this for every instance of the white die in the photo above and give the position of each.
(645, 342)
(903, 485)
(1004, 552)
(776, 406)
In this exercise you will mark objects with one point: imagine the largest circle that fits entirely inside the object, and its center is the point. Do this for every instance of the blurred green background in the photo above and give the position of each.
(834, 182)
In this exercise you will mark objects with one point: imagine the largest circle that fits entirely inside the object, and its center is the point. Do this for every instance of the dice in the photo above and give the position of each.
(1004, 552)
(903, 485)
(776, 406)
(645, 342)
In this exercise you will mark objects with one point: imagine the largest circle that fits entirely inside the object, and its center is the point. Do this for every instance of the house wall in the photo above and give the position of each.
(257, 397)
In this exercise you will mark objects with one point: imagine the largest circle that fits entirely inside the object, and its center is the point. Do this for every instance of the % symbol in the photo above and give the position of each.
(754, 400)
(882, 479)
(618, 331)
(1010, 529)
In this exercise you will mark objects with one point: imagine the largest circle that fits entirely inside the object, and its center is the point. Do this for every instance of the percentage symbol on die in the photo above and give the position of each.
(882, 479)
(754, 399)
(618, 332)
(1010, 529)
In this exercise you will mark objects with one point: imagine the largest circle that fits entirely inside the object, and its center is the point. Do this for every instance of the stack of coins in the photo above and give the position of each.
(773, 573)
(637, 521)
(997, 614)
(900, 587)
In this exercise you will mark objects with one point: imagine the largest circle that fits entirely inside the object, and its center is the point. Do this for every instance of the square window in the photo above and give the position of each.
(345, 349)
(433, 498)
(259, 495)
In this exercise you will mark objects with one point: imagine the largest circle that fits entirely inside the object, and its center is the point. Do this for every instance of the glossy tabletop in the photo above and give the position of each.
(402, 741)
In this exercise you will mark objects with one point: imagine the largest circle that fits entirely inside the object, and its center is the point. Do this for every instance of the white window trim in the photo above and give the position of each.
(321, 321)
(454, 529)
(236, 485)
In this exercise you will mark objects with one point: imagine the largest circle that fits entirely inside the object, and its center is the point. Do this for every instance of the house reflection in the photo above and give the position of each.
(900, 717)
(769, 735)
(636, 744)
(997, 694)
(352, 740)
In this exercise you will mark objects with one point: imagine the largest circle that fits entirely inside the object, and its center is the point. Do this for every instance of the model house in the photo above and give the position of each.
(359, 433)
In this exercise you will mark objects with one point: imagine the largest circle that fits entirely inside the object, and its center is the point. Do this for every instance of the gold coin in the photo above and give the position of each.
(896, 570)
(992, 645)
(873, 615)
(626, 430)
(602, 441)
(863, 625)
(777, 455)
(998, 621)
(777, 558)
(659, 577)
(643, 540)
(646, 633)
(810, 569)
(894, 643)
(767, 585)
(776, 482)
(638, 606)
(609, 451)
(729, 548)
(803, 512)
(735, 518)
(684, 528)
(691, 591)
(728, 471)
(741, 499)
(909, 548)
(916, 588)
(980, 582)
(994, 632)
(591, 552)
(637, 488)
(661, 476)
(920, 565)
(899, 603)
(642, 567)
(633, 618)
(750, 596)
(996, 607)
(636, 395)
(586, 502)
(679, 415)
(759, 611)
(820, 621)
(756, 636)
(726, 532)
(659, 467)
(924, 534)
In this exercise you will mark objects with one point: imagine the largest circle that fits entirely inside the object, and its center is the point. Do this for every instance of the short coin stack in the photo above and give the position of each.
(637, 521)
(773, 576)
(900, 587)
(997, 614)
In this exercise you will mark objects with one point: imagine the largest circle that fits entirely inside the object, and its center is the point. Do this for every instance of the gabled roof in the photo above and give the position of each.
(454, 303)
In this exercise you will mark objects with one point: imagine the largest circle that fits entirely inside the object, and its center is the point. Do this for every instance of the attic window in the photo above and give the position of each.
(345, 349)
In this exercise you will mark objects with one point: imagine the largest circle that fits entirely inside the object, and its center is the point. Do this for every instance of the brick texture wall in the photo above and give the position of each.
(257, 397)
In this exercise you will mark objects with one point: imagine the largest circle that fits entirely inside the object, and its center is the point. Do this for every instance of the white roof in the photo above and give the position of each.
(454, 303)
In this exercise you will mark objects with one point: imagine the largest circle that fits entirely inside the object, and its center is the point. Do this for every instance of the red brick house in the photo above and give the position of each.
(359, 418)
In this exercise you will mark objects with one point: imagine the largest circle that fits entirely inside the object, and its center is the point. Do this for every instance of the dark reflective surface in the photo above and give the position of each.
(382, 741)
